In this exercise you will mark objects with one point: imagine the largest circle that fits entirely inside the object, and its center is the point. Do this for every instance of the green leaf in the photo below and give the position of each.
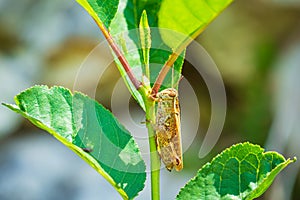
(88, 129)
(243, 171)
(159, 52)
(102, 11)
(165, 18)
(123, 26)
(187, 19)
(125, 31)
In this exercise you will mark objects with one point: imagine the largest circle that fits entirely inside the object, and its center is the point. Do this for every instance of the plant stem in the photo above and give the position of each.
(137, 84)
(154, 157)
(155, 160)
(167, 66)
(162, 74)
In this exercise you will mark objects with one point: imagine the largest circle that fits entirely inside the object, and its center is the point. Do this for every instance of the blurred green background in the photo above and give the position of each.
(255, 44)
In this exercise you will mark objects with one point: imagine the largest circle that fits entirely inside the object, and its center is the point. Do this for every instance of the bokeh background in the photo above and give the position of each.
(255, 44)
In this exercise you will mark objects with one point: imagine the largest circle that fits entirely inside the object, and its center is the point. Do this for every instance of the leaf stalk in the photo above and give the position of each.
(137, 84)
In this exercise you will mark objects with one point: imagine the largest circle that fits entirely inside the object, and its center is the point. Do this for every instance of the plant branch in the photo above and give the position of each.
(137, 84)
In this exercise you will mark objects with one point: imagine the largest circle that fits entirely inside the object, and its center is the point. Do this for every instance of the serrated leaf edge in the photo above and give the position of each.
(82, 154)
(285, 163)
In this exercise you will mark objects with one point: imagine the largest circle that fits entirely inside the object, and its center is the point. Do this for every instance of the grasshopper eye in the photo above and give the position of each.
(178, 161)
(172, 94)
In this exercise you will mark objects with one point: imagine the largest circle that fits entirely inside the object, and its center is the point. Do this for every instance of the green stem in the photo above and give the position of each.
(154, 157)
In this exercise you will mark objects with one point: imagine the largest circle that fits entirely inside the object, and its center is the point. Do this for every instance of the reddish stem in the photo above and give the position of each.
(137, 84)
(164, 71)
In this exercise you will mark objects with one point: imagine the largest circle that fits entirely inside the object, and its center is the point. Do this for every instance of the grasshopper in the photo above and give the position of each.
(168, 140)
(168, 137)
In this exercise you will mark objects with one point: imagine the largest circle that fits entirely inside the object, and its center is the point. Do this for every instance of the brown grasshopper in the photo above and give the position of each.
(168, 137)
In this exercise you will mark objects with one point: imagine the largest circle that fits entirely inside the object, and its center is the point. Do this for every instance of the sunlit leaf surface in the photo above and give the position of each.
(243, 171)
(187, 19)
(90, 130)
